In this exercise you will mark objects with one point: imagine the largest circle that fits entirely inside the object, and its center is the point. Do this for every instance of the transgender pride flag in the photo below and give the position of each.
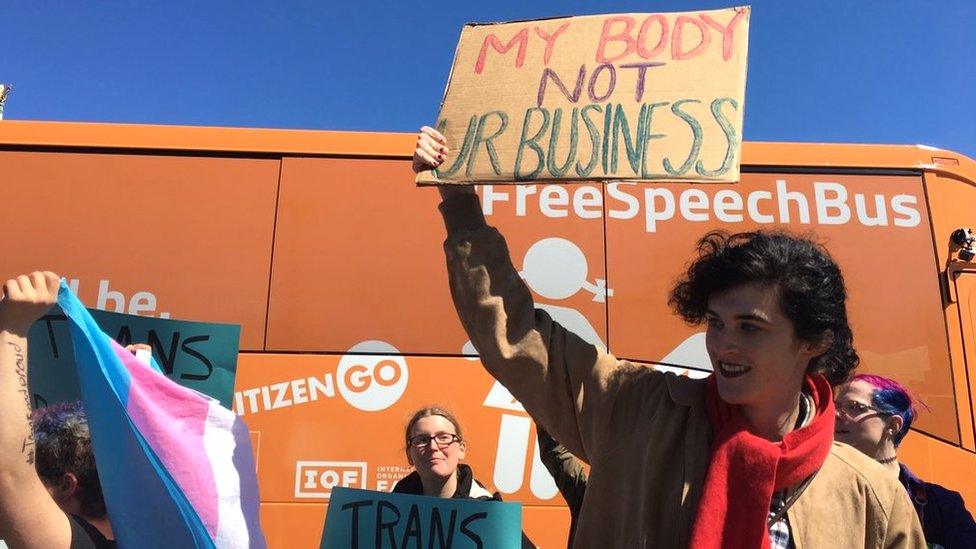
(176, 468)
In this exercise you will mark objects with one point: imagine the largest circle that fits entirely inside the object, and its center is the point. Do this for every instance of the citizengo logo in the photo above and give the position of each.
(316, 479)
(372, 382)
(371, 377)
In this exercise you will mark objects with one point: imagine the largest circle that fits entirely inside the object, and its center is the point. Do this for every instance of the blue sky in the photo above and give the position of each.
(836, 71)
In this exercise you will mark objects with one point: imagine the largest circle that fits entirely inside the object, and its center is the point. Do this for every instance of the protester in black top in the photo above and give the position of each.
(29, 516)
(86, 536)
(568, 473)
(66, 464)
(50, 497)
(945, 520)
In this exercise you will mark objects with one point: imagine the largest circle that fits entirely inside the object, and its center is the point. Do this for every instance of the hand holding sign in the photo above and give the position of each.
(430, 151)
(429, 154)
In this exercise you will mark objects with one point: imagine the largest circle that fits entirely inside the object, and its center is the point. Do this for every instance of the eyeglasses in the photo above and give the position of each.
(443, 440)
(852, 409)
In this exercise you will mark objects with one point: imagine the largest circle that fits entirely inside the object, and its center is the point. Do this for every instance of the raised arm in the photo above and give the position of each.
(29, 517)
(565, 383)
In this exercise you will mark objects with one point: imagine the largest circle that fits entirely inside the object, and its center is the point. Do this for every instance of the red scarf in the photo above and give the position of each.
(745, 469)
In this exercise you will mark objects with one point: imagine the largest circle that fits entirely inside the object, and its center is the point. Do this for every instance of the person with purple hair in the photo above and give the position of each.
(874, 414)
(50, 495)
(47, 476)
(65, 464)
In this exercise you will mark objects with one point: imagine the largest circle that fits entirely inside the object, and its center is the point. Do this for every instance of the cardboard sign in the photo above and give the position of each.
(363, 518)
(626, 97)
(198, 355)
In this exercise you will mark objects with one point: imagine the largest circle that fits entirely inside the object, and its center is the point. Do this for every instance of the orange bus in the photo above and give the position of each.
(321, 247)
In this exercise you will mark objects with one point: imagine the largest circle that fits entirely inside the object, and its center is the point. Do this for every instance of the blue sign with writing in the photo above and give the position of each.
(364, 518)
(198, 355)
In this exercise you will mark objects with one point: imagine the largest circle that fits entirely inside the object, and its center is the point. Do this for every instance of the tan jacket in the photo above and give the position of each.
(644, 433)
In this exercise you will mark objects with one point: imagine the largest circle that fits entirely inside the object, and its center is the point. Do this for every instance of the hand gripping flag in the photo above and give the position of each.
(175, 467)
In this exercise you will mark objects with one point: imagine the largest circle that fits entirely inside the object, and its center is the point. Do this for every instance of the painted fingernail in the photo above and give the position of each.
(440, 157)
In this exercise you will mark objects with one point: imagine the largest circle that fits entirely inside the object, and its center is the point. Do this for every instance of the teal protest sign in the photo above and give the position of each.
(198, 355)
(364, 518)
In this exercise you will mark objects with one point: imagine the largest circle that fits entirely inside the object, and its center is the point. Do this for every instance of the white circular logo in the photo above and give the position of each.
(555, 268)
(372, 382)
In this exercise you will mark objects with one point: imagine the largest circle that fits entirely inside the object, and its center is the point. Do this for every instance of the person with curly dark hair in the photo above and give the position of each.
(66, 465)
(798, 272)
(745, 458)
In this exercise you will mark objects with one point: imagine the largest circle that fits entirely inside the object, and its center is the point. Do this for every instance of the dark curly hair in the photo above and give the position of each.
(811, 286)
(63, 443)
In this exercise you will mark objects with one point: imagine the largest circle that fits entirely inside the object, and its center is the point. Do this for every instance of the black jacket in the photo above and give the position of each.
(943, 513)
(567, 472)
(467, 488)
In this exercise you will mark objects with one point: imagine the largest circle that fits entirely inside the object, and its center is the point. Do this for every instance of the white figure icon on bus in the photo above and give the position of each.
(556, 269)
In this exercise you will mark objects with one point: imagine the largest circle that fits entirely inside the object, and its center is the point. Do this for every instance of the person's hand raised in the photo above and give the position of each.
(431, 150)
(26, 299)
(430, 153)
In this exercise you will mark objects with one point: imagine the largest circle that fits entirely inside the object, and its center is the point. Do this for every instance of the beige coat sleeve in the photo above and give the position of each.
(577, 392)
(904, 528)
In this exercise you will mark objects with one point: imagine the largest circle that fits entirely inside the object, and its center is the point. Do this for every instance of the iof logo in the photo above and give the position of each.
(316, 479)
(372, 382)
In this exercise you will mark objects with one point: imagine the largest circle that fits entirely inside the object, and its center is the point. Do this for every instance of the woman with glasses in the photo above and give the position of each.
(745, 458)
(874, 414)
(435, 448)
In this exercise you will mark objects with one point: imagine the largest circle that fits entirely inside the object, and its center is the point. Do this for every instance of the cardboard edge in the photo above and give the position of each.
(427, 177)
(514, 21)
(428, 180)
(746, 8)
(745, 87)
